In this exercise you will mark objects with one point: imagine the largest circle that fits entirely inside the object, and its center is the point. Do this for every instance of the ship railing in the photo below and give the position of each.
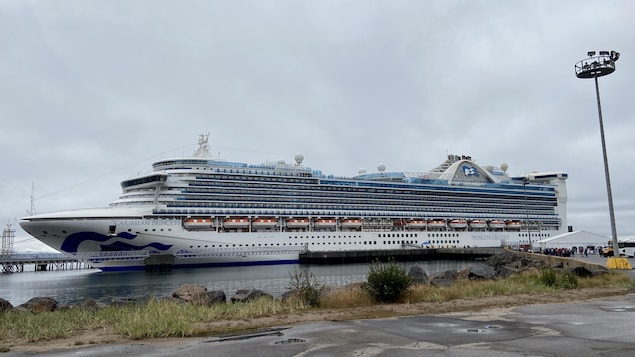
(234, 251)
(34, 257)
(112, 255)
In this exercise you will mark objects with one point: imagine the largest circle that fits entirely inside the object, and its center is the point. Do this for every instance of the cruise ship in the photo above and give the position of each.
(200, 211)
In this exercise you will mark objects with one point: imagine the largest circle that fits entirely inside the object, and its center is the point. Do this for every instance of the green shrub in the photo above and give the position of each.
(568, 281)
(547, 277)
(550, 278)
(387, 282)
(306, 287)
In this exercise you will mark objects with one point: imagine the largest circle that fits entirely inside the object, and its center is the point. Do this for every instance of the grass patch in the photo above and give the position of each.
(347, 298)
(166, 318)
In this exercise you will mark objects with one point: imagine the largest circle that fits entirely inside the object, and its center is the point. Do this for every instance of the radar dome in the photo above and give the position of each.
(299, 158)
(381, 168)
(504, 167)
(362, 171)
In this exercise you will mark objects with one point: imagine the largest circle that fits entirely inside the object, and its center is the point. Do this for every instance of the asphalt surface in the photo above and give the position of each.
(603, 327)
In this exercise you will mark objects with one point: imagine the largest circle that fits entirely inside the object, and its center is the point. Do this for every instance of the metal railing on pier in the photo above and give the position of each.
(15, 263)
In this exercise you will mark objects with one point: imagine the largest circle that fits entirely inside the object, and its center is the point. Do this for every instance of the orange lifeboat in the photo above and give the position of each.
(458, 224)
(351, 223)
(478, 223)
(497, 224)
(436, 223)
(416, 223)
(321, 223)
(197, 223)
(264, 222)
(297, 223)
(236, 222)
(513, 225)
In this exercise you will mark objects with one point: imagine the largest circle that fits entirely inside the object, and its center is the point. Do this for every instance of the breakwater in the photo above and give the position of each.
(400, 255)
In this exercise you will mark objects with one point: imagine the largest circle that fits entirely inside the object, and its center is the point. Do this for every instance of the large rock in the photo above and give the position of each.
(483, 272)
(131, 300)
(504, 258)
(192, 293)
(5, 305)
(444, 279)
(584, 272)
(418, 276)
(244, 295)
(40, 304)
(217, 297)
(92, 304)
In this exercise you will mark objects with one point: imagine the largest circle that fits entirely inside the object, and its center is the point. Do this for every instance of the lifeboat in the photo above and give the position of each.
(458, 224)
(351, 223)
(197, 223)
(496, 224)
(236, 223)
(325, 223)
(478, 223)
(515, 225)
(436, 223)
(297, 223)
(265, 222)
(416, 223)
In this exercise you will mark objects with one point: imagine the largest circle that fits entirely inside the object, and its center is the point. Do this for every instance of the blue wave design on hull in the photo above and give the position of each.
(72, 242)
(126, 246)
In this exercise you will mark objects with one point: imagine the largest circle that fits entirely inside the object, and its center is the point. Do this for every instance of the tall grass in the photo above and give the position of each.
(531, 282)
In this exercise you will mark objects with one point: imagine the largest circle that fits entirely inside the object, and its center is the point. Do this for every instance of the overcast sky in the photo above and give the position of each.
(92, 92)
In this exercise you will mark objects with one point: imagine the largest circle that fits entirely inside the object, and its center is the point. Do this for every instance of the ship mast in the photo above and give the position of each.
(203, 147)
(31, 211)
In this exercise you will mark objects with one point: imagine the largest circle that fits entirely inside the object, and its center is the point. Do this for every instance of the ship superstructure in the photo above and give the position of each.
(199, 211)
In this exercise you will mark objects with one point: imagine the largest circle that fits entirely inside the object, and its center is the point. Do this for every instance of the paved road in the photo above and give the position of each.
(604, 327)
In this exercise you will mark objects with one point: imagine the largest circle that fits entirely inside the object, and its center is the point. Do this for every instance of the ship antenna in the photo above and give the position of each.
(203, 147)
(31, 211)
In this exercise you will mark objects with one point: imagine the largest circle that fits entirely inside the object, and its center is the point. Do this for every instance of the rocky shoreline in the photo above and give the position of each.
(498, 266)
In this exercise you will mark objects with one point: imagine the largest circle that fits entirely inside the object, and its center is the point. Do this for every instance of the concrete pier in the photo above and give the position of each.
(401, 255)
(15, 263)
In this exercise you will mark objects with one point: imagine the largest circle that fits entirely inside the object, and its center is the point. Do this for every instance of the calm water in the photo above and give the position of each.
(73, 286)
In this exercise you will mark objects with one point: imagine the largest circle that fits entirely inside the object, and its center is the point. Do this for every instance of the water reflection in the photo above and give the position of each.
(69, 287)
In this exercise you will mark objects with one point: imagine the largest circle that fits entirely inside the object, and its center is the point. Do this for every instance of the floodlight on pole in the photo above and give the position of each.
(594, 67)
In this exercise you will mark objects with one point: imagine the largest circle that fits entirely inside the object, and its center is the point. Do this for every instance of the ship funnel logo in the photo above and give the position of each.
(469, 171)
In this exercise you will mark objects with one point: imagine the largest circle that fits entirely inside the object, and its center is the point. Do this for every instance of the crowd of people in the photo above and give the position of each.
(571, 252)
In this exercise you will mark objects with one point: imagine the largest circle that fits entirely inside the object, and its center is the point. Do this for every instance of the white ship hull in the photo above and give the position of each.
(198, 211)
(138, 239)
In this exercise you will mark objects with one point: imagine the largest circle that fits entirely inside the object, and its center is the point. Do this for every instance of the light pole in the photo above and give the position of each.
(593, 67)
(525, 182)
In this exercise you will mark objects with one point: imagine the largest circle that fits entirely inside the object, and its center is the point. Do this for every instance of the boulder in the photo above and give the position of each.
(290, 294)
(483, 272)
(418, 276)
(501, 259)
(244, 295)
(217, 297)
(192, 293)
(141, 300)
(92, 304)
(5, 305)
(444, 279)
(584, 272)
(40, 304)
